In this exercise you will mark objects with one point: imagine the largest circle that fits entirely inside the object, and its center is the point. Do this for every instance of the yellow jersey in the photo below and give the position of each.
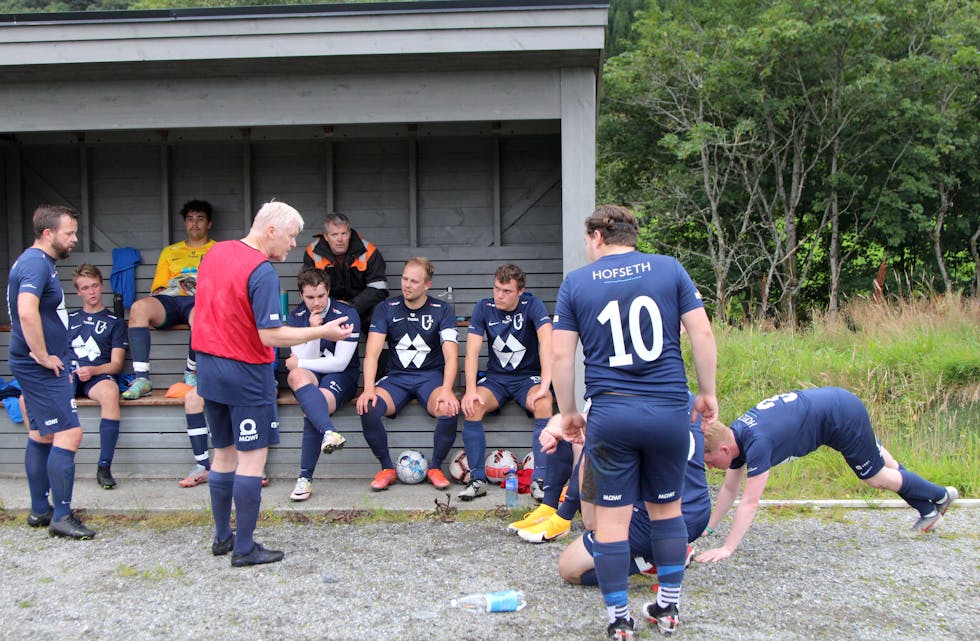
(177, 269)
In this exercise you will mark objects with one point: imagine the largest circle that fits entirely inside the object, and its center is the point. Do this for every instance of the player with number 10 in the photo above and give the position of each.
(627, 308)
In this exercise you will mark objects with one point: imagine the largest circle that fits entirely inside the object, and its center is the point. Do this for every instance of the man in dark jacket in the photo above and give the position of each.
(355, 266)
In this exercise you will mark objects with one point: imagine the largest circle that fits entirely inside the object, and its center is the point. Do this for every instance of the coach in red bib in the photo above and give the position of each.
(238, 326)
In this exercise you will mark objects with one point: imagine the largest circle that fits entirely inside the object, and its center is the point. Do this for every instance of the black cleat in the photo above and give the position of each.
(104, 478)
(258, 556)
(621, 628)
(221, 548)
(666, 619)
(70, 527)
(40, 520)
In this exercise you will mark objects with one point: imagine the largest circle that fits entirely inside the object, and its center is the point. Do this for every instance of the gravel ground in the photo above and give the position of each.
(832, 574)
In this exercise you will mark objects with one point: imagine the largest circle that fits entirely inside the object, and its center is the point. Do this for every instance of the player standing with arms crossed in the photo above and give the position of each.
(627, 308)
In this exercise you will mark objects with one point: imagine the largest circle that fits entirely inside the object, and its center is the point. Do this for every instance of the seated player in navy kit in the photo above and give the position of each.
(518, 330)
(240, 327)
(791, 425)
(322, 373)
(38, 355)
(423, 360)
(98, 342)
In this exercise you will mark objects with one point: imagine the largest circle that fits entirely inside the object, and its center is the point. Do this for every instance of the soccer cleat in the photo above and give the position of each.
(554, 527)
(40, 520)
(621, 628)
(539, 514)
(221, 548)
(651, 570)
(258, 556)
(332, 441)
(537, 490)
(199, 474)
(190, 378)
(437, 478)
(70, 527)
(104, 478)
(302, 489)
(666, 618)
(265, 480)
(690, 556)
(473, 489)
(951, 495)
(383, 479)
(928, 523)
(139, 388)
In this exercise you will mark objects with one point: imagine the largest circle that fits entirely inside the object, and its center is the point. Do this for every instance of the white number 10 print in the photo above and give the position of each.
(610, 314)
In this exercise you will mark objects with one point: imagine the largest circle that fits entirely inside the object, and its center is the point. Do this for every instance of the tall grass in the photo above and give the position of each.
(915, 364)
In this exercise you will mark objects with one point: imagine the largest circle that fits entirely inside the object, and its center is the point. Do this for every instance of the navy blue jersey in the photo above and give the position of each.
(235, 382)
(626, 309)
(414, 336)
(318, 348)
(512, 337)
(34, 273)
(791, 425)
(94, 336)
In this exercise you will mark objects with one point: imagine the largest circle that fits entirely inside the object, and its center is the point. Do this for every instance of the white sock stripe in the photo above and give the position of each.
(140, 367)
(197, 431)
(201, 457)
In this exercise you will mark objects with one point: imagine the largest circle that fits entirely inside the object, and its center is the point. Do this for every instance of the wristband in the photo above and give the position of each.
(709, 530)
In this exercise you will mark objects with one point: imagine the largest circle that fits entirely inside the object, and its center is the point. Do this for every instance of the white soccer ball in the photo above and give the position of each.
(498, 464)
(459, 467)
(411, 466)
(528, 462)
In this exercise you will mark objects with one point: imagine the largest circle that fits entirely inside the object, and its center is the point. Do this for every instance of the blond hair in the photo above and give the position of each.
(717, 434)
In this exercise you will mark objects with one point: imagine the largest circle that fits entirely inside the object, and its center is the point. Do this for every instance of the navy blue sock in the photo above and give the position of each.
(315, 406)
(248, 497)
(61, 475)
(572, 502)
(475, 444)
(920, 493)
(191, 365)
(612, 561)
(108, 437)
(197, 432)
(540, 458)
(310, 452)
(221, 486)
(668, 542)
(36, 465)
(443, 437)
(374, 432)
(558, 470)
(589, 578)
(139, 347)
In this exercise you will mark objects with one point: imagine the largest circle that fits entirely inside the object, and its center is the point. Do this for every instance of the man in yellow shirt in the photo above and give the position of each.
(172, 296)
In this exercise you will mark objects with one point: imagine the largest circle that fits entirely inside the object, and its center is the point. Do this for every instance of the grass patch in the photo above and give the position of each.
(157, 573)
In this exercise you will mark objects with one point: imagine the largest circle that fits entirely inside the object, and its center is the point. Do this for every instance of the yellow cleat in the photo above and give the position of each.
(540, 513)
(550, 529)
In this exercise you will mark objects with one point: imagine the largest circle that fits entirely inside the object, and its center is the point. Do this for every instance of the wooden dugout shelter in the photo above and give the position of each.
(463, 131)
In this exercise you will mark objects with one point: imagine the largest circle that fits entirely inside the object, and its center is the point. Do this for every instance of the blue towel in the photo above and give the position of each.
(10, 400)
(123, 278)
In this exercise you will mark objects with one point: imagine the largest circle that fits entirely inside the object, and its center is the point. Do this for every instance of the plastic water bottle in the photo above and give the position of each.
(117, 306)
(503, 601)
(283, 305)
(510, 489)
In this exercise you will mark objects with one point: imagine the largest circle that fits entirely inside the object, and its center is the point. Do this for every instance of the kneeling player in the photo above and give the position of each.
(792, 425)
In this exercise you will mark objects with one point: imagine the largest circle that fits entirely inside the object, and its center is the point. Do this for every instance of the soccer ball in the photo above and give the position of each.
(459, 467)
(528, 462)
(498, 464)
(411, 466)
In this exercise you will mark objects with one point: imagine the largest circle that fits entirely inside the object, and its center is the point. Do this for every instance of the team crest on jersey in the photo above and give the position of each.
(427, 321)
(518, 321)
(100, 326)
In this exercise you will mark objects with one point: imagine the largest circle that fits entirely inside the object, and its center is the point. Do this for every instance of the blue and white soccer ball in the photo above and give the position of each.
(411, 466)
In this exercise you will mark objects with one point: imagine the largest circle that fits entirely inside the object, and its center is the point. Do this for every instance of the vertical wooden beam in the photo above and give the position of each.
(578, 157)
(166, 235)
(328, 175)
(495, 193)
(413, 192)
(247, 191)
(85, 215)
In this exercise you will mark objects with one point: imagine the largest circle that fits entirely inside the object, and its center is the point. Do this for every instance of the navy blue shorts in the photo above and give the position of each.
(82, 388)
(247, 427)
(404, 386)
(637, 449)
(505, 388)
(50, 399)
(342, 386)
(854, 438)
(177, 310)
